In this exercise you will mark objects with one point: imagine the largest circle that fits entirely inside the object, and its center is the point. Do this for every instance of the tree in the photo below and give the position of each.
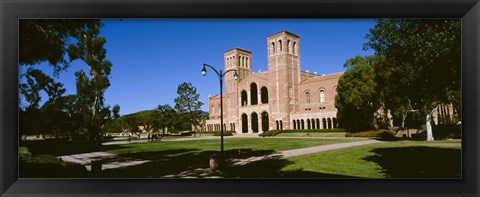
(47, 40)
(165, 117)
(356, 99)
(146, 119)
(423, 58)
(38, 81)
(187, 103)
(91, 87)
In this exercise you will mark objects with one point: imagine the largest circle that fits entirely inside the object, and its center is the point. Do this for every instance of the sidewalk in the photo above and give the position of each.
(304, 151)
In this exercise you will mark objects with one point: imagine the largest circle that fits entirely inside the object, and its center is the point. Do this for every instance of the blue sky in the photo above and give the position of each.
(151, 57)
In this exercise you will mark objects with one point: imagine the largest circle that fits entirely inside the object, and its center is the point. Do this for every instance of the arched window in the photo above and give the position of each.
(253, 94)
(322, 96)
(264, 95)
(324, 121)
(244, 98)
(273, 47)
(280, 45)
(318, 123)
(303, 124)
(308, 124)
(294, 124)
(307, 97)
(246, 62)
(281, 125)
(294, 47)
(288, 46)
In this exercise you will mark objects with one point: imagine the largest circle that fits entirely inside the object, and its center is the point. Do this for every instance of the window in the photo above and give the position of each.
(322, 96)
(294, 46)
(288, 46)
(273, 47)
(307, 97)
(280, 45)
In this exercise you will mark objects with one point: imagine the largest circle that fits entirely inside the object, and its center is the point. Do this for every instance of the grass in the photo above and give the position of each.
(174, 157)
(393, 159)
(275, 144)
(401, 159)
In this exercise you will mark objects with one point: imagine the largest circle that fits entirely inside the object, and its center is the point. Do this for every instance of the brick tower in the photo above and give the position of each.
(284, 77)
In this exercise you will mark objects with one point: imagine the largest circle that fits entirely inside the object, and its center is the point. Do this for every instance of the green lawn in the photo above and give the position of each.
(174, 157)
(402, 159)
(275, 144)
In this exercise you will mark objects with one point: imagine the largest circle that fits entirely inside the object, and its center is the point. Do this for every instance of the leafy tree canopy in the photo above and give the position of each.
(357, 99)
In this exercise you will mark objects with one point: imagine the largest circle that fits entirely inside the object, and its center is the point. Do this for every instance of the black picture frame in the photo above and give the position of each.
(11, 11)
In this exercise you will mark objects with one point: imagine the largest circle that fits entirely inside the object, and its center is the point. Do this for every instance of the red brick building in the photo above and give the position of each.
(282, 97)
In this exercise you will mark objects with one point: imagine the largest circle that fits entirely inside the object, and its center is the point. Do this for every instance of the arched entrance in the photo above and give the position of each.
(264, 121)
(244, 123)
(254, 118)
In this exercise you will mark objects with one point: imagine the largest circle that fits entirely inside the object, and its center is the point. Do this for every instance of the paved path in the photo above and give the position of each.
(303, 151)
(87, 158)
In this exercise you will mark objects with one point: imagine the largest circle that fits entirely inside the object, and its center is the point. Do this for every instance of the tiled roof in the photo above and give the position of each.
(322, 78)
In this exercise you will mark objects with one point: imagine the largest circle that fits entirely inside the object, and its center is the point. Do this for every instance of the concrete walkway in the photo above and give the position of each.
(304, 151)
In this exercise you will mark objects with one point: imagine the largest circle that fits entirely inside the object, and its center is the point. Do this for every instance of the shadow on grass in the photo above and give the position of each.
(63, 147)
(418, 162)
(195, 163)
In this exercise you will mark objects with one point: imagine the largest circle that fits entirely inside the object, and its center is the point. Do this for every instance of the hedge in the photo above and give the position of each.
(276, 132)
(381, 135)
(225, 133)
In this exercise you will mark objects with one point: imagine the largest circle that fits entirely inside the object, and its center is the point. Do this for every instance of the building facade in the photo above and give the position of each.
(280, 98)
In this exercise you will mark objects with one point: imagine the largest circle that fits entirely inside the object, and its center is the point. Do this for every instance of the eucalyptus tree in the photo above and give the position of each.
(91, 84)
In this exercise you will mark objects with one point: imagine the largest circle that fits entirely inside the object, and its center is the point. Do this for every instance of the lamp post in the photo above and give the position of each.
(220, 78)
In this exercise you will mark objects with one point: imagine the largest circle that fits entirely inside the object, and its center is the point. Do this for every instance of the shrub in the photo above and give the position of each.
(440, 132)
(23, 151)
(225, 133)
(335, 130)
(387, 136)
(364, 134)
(270, 133)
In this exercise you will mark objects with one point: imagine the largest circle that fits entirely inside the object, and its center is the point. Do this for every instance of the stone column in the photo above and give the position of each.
(249, 102)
